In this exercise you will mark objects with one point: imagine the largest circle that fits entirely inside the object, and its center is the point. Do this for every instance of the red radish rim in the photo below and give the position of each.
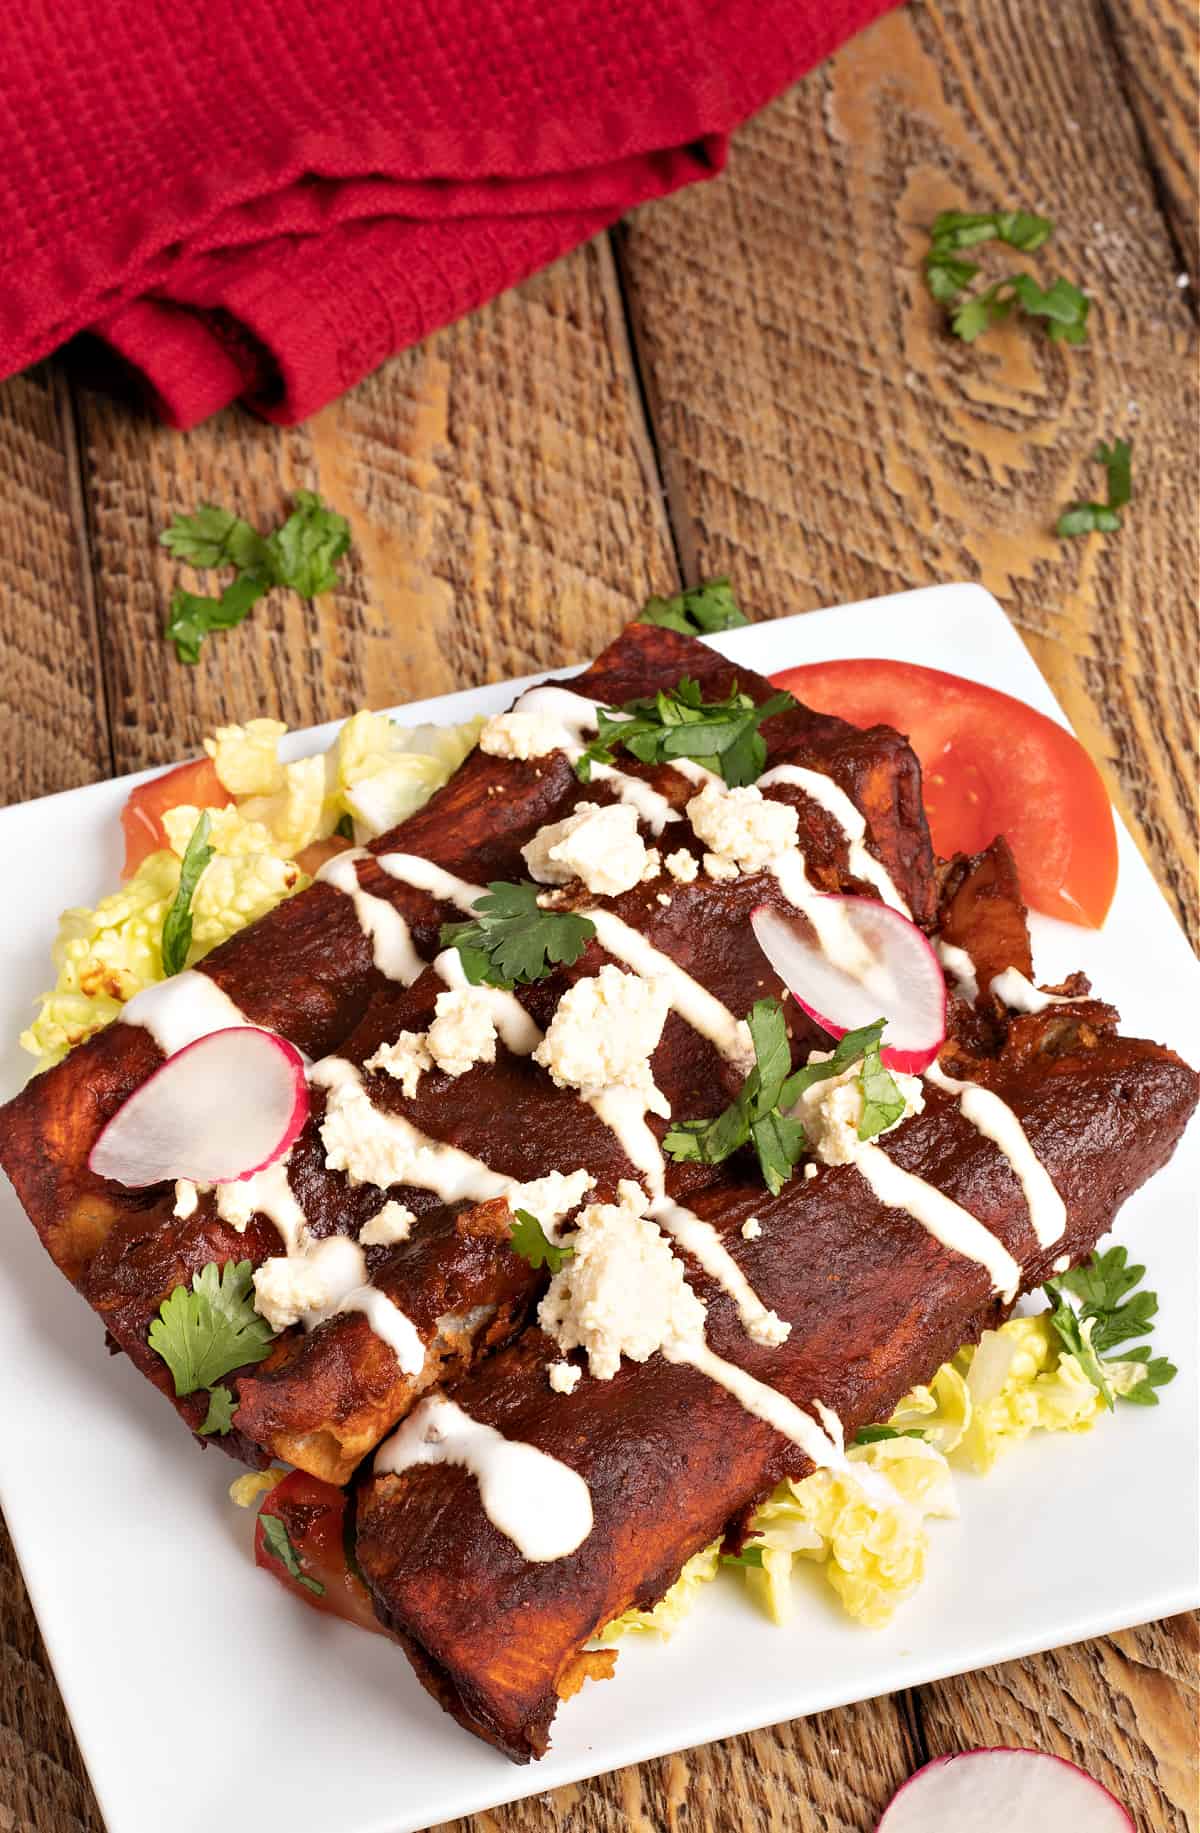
(905, 1059)
(1005, 1750)
(288, 1137)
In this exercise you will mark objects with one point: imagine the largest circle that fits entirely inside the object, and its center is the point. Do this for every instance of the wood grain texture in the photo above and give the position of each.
(499, 484)
(1158, 44)
(824, 439)
(52, 713)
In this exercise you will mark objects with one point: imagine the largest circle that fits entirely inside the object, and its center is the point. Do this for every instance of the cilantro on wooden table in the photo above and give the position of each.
(761, 1114)
(1109, 1313)
(206, 1331)
(301, 554)
(511, 939)
(697, 610)
(1062, 306)
(177, 926)
(530, 1240)
(278, 1543)
(678, 722)
(1103, 518)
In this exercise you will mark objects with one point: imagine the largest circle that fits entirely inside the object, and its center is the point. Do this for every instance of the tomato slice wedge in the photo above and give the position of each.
(195, 785)
(313, 1514)
(991, 765)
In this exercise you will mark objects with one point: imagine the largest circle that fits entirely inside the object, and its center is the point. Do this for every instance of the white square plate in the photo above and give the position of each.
(204, 1697)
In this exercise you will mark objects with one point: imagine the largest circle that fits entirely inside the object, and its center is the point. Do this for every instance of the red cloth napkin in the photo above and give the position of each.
(267, 198)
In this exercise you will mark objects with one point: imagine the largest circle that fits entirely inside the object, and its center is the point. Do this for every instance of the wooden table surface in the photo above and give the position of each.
(746, 378)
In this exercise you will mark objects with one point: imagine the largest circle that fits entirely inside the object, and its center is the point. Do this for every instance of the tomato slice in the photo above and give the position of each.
(314, 1515)
(188, 786)
(991, 765)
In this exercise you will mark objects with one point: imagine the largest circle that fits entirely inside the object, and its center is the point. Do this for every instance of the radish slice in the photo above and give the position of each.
(217, 1111)
(855, 961)
(1003, 1791)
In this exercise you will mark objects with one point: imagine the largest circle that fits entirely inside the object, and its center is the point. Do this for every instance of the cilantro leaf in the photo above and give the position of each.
(1110, 1313)
(873, 1435)
(966, 229)
(946, 276)
(883, 1104)
(721, 734)
(753, 1117)
(305, 551)
(697, 610)
(750, 1555)
(1103, 518)
(301, 554)
(207, 1331)
(512, 939)
(278, 1543)
(192, 617)
(215, 537)
(530, 1240)
(177, 927)
(219, 1417)
(847, 1050)
(1063, 306)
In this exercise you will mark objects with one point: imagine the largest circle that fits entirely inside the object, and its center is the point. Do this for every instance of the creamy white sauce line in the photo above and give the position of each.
(959, 965)
(835, 933)
(992, 1117)
(514, 1027)
(947, 1221)
(577, 718)
(833, 799)
(178, 1011)
(701, 1240)
(389, 935)
(541, 1504)
(1013, 989)
(694, 1003)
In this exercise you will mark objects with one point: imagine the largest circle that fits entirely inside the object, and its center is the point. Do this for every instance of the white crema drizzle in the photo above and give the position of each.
(833, 799)
(178, 1011)
(389, 935)
(1016, 991)
(959, 965)
(947, 1221)
(992, 1117)
(535, 1500)
(575, 719)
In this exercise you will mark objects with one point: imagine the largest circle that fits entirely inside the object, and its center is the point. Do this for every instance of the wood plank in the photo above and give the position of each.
(824, 439)
(500, 488)
(1125, 1708)
(835, 1770)
(1158, 42)
(51, 697)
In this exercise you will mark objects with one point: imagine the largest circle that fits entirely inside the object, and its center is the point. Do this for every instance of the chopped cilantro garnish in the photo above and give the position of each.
(206, 1331)
(750, 1555)
(874, 1435)
(177, 928)
(301, 554)
(1103, 518)
(761, 1115)
(219, 1417)
(721, 734)
(530, 1240)
(1109, 1313)
(511, 938)
(697, 610)
(278, 1543)
(1063, 306)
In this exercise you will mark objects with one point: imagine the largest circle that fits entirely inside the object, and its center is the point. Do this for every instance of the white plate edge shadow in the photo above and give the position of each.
(919, 633)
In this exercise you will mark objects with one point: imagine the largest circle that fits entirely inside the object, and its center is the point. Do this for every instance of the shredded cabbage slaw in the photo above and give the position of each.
(375, 773)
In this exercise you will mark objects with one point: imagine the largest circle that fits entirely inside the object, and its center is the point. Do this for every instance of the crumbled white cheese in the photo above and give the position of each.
(623, 1292)
(598, 843)
(372, 1147)
(830, 1111)
(653, 865)
(810, 1170)
(407, 1059)
(682, 865)
(751, 1228)
(463, 1031)
(564, 1377)
(294, 1288)
(716, 866)
(663, 898)
(742, 825)
(604, 1031)
(391, 1224)
(236, 1202)
(520, 735)
(552, 1197)
(187, 1196)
